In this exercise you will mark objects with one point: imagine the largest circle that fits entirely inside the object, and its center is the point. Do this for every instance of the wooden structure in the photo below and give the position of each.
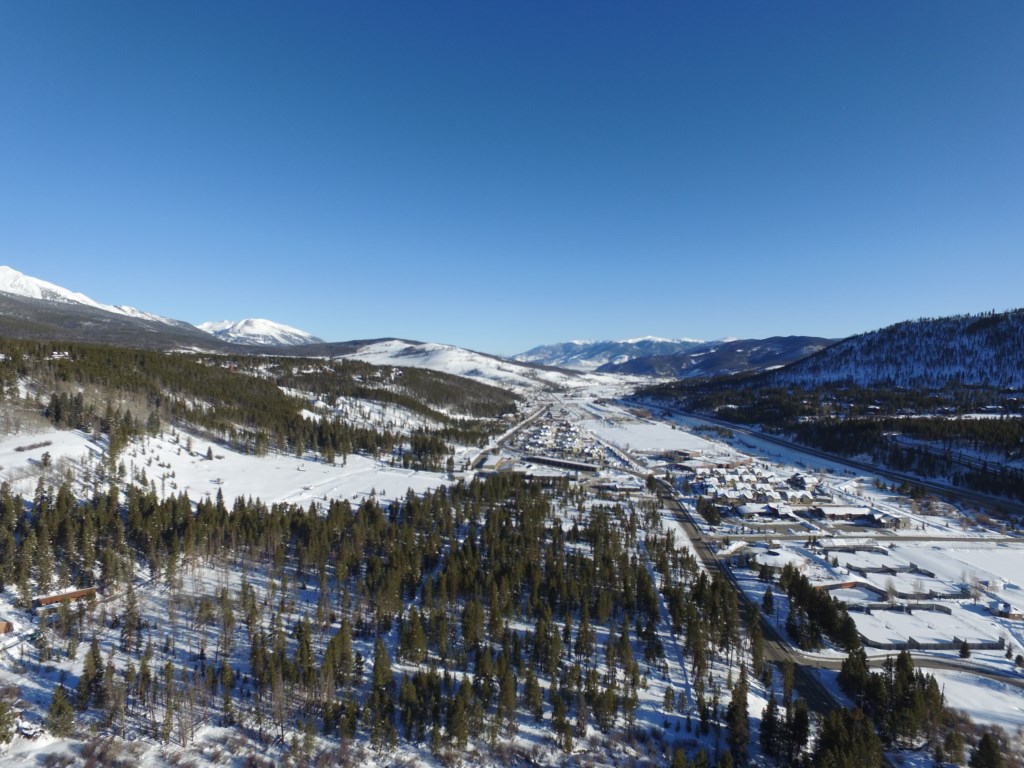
(63, 597)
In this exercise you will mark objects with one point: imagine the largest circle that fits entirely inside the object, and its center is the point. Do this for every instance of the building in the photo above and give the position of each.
(61, 597)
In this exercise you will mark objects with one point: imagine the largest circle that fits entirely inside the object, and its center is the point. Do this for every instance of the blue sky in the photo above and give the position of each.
(504, 174)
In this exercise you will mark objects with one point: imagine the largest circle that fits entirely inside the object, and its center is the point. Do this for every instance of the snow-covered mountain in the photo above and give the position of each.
(725, 357)
(591, 355)
(675, 358)
(260, 332)
(464, 362)
(965, 350)
(34, 308)
(18, 284)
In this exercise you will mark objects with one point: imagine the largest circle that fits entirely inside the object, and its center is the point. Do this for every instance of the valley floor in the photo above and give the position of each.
(604, 454)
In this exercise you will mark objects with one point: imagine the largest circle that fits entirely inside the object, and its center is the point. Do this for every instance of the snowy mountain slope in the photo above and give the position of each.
(724, 357)
(23, 317)
(970, 350)
(591, 355)
(18, 284)
(259, 332)
(37, 309)
(463, 362)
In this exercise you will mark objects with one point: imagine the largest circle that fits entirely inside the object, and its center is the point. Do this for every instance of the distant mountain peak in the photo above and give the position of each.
(591, 355)
(257, 331)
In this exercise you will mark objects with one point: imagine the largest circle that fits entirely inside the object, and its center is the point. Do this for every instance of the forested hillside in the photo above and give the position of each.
(936, 398)
(251, 403)
(984, 350)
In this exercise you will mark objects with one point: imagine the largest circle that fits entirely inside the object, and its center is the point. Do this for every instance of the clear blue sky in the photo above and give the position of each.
(504, 174)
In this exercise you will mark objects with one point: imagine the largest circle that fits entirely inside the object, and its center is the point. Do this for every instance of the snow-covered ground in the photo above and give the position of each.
(987, 701)
(167, 464)
(174, 463)
(474, 365)
(272, 478)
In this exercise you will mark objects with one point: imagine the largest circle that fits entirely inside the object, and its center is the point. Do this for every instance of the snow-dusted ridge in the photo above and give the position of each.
(253, 332)
(18, 284)
(591, 355)
(258, 331)
(474, 365)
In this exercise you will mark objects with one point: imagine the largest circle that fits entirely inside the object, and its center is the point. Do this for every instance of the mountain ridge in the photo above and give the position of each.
(591, 355)
(675, 358)
(260, 332)
(985, 349)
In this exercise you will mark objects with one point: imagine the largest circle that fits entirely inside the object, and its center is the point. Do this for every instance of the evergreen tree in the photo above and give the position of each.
(6, 722)
(131, 623)
(507, 703)
(412, 643)
(988, 753)
(380, 704)
(770, 728)
(847, 740)
(60, 717)
(533, 695)
(458, 717)
(756, 644)
(90, 683)
(953, 747)
(738, 721)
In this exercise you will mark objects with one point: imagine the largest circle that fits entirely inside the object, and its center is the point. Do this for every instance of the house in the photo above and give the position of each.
(1006, 610)
(883, 520)
(841, 513)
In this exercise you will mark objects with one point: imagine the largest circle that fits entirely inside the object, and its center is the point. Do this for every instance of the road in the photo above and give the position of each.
(819, 698)
(777, 648)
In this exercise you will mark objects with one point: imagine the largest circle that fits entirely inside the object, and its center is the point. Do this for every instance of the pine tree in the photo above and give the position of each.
(560, 722)
(60, 717)
(412, 644)
(953, 746)
(380, 705)
(988, 753)
(770, 728)
(798, 727)
(848, 740)
(408, 703)
(507, 703)
(458, 717)
(90, 683)
(227, 679)
(6, 722)
(756, 644)
(738, 721)
(131, 623)
(533, 695)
